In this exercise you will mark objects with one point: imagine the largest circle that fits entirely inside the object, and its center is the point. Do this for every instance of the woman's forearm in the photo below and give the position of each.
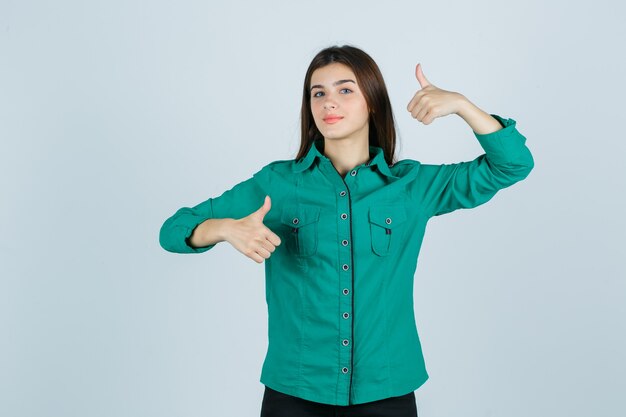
(210, 232)
(480, 121)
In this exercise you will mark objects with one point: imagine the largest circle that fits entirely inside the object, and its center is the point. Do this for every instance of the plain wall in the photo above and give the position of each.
(113, 114)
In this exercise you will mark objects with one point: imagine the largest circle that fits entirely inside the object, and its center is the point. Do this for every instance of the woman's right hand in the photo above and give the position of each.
(251, 237)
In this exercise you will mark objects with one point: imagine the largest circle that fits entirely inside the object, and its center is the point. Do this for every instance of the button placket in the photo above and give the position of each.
(345, 230)
(346, 274)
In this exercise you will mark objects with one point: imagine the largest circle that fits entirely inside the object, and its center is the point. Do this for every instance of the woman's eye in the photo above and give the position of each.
(343, 89)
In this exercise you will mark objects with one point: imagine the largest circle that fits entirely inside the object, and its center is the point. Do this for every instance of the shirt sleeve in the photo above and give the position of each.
(444, 188)
(237, 202)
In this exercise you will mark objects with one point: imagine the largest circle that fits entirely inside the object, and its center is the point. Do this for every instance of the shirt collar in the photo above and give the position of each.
(376, 153)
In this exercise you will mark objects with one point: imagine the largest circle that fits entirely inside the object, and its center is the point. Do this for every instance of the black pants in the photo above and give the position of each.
(277, 404)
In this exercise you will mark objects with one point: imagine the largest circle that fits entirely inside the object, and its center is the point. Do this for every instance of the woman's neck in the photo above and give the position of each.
(345, 154)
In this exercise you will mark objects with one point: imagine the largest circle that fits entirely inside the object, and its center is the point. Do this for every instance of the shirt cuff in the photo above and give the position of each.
(505, 146)
(175, 238)
(187, 235)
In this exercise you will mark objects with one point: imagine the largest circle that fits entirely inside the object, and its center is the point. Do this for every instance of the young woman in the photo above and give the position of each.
(339, 228)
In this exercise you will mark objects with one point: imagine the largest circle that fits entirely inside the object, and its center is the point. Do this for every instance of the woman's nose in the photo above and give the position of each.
(329, 104)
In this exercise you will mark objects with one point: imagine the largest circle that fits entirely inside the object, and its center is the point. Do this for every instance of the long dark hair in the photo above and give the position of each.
(382, 130)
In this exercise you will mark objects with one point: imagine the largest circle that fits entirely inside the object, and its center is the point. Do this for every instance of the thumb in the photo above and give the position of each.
(267, 205)
(420, 76)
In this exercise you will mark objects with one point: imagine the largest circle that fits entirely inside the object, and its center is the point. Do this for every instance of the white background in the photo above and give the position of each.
(113, 114)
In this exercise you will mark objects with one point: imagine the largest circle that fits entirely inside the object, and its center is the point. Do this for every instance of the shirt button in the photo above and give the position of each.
(346, 291)
(346, 315)
(388, 220)
(342, 193)
(346, 267)
(344, 370)
(295, 221)
(344, 216)
(344, 242)
(353, 173)
(345, 342)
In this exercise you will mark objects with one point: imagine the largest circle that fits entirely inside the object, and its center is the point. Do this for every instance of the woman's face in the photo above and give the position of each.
(334, 92)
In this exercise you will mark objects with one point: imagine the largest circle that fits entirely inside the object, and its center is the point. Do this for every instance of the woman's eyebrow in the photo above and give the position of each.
(335, 83)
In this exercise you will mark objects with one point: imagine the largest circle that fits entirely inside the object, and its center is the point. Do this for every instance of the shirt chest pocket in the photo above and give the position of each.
(302, 228)
(386, 227)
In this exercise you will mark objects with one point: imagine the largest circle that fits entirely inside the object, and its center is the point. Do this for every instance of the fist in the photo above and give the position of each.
(251, 237)
(431, 102)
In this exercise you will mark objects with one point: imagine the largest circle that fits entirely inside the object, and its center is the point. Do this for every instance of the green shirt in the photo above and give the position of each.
(339, 288)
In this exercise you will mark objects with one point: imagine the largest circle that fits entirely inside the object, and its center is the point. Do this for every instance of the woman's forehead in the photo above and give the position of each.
(332, 72)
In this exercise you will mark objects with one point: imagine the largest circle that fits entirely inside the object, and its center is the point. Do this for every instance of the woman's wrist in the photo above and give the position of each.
(480, 121)
(224, 228)
(210, 232)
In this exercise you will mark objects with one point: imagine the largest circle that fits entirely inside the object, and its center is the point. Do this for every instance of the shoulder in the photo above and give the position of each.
(405, 167)
(411, 164)
(412, 170)
(268, 173)
(280, 167)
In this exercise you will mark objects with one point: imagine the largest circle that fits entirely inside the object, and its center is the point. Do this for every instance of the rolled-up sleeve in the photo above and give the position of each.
(237, 202)
(444, 188)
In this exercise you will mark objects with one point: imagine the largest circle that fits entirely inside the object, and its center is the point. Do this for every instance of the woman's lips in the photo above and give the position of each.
(332, 120)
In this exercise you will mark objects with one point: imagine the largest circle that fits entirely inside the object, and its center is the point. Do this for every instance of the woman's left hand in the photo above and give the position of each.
(431, 102)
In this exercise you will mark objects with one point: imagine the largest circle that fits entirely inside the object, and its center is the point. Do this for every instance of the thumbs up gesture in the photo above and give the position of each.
(251, 237)
(431, 102)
